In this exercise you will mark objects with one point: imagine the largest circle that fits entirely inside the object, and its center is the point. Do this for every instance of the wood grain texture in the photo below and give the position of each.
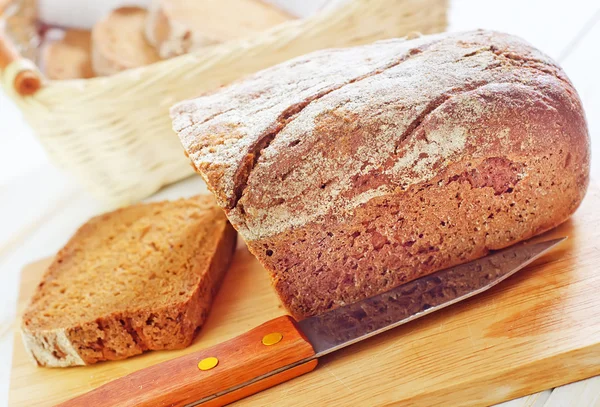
(537, 330)
(262, 384)
(179, 381)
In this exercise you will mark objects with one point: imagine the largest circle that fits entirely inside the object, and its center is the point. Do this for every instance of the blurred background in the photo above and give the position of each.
(41, 205)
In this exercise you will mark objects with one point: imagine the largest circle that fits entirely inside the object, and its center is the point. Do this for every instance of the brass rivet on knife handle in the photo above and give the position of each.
(208, 363)
(272, 338)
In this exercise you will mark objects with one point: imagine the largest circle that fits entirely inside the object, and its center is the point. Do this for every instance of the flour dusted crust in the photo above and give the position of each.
(177, 27)
(136, 279)
(349, 172)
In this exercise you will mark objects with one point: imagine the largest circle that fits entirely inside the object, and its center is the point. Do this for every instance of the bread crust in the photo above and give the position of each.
(134, 327)
(118, 42)
(176, 27)
(393, 161)
(69, 57)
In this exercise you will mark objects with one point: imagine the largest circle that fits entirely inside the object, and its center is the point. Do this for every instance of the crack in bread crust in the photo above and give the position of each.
(249, 162)
(524, 62)
(398, 169)
(414, 126)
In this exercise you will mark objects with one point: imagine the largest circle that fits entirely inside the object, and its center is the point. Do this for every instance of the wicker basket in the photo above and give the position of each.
(114, 133)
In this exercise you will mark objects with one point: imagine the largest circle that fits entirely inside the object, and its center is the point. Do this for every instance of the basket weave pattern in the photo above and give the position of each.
(114, 133)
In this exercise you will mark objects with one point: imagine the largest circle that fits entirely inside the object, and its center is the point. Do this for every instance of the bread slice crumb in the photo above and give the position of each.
(139, 278)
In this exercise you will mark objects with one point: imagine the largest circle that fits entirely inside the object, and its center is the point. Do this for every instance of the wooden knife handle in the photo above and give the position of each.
(180, 381)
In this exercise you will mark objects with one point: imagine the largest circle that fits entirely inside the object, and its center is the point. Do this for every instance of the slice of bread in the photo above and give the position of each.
(118, 42)
(69, 57)
(176, 27)
(139, 278)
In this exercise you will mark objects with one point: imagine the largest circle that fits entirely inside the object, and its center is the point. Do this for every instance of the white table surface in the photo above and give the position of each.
(40, 207)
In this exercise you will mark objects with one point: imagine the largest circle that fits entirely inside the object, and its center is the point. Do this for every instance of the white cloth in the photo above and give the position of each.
(84, 13)
(81, 13)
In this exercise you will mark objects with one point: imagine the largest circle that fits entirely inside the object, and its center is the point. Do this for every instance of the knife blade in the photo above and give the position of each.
(283, 348)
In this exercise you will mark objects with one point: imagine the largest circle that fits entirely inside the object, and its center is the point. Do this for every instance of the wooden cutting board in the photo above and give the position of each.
(537, 330)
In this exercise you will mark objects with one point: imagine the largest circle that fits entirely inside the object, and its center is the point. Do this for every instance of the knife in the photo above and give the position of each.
(283, 348)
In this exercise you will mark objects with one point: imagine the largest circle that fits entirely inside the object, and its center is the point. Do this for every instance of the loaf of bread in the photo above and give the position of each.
(69, 57)
(140, 278)
(176, 27)
(351, 171)
(118, 42)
